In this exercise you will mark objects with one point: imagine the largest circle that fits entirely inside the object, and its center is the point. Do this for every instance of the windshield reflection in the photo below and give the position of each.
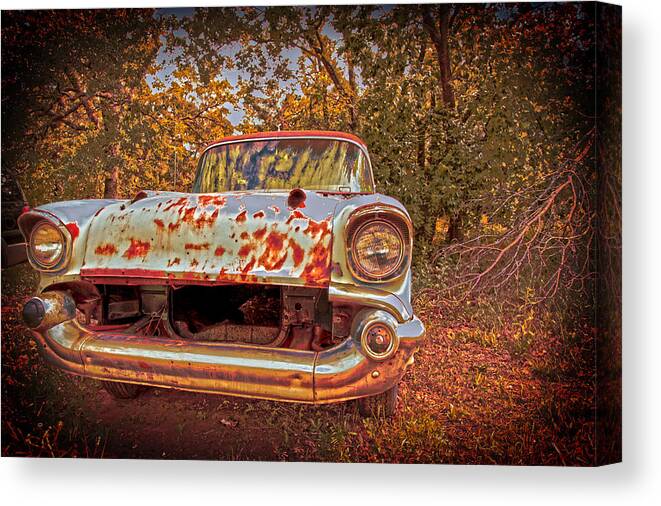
(283, 164)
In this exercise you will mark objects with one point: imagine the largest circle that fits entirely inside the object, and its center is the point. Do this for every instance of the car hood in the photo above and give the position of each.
(213, 238)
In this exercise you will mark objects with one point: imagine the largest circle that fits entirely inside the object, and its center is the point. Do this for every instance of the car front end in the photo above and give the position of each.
(296, 294)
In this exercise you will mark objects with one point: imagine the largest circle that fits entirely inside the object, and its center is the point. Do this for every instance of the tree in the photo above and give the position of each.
(99, 111)
(76, 74)
(267, 40)
(467, 109)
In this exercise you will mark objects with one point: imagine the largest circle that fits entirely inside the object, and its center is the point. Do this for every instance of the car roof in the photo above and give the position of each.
(292, 133)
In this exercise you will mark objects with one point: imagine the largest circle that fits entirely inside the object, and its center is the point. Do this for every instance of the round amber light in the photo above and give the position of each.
(378, 249)
(46, 244)
(378, 341)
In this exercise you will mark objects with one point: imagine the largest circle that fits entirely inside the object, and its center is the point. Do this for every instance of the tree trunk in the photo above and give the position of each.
(324, 108)
(455, 229)
(353, 114)
(111, 184)
(112, 160)
(439, 32)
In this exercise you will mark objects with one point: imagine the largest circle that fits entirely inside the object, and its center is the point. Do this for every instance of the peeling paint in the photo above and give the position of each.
(137, 248)
(317, 270)
(315, 228)
(194, 246)
(295, 215)
(245, 250)
(236, 237)
(297, 251)
(241, 217)
(259, 233)
(180, 202)
(73, 230)
(216, 200)
(106, 249)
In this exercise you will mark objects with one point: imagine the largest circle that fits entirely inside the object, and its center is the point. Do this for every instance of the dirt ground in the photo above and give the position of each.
(471, 397)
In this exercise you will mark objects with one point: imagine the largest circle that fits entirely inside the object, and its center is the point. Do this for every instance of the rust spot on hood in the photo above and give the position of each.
(243, 277)
(187, 212)
(190, 245)
(207, 220)
(258, 214)
(220, 251)
(105, 249)
(317, 270)
(137, 248)
(159, 223)
(295, 215)
(188, 215)
(272, 259)
(316, 228)
(215, 200)
(259, 234)
(297, 252)
(245, 250)
(248, 267)
(241, 217)
(275, 241)
(272, 264)
(180, 202)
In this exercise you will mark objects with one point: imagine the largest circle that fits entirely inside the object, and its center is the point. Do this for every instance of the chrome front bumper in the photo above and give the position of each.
(337, 374)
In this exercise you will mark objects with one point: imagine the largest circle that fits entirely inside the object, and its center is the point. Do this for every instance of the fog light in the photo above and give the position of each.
(379, 341)
(33, 313)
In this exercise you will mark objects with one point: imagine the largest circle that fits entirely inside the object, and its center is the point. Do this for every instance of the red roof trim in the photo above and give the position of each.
(292, 133)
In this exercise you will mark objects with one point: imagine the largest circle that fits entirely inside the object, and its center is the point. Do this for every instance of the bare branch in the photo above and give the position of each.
(548, 245)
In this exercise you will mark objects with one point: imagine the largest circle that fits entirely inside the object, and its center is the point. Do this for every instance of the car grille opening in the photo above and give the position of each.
(291, 317)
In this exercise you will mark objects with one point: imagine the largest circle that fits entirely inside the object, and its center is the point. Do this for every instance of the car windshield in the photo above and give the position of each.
(323, 164)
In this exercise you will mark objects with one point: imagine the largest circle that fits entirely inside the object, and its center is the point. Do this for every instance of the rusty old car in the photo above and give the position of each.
(282, 275)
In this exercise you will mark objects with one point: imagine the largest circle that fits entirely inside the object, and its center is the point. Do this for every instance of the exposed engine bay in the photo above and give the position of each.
(261, 315)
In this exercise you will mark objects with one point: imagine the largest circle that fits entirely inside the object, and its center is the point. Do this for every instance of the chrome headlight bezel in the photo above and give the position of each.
(33, 222)
(57, 241)
(393, 218)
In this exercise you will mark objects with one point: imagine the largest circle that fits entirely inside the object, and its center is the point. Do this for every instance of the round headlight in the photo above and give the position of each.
(378, 341)
(46, 244)
(377, 249)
